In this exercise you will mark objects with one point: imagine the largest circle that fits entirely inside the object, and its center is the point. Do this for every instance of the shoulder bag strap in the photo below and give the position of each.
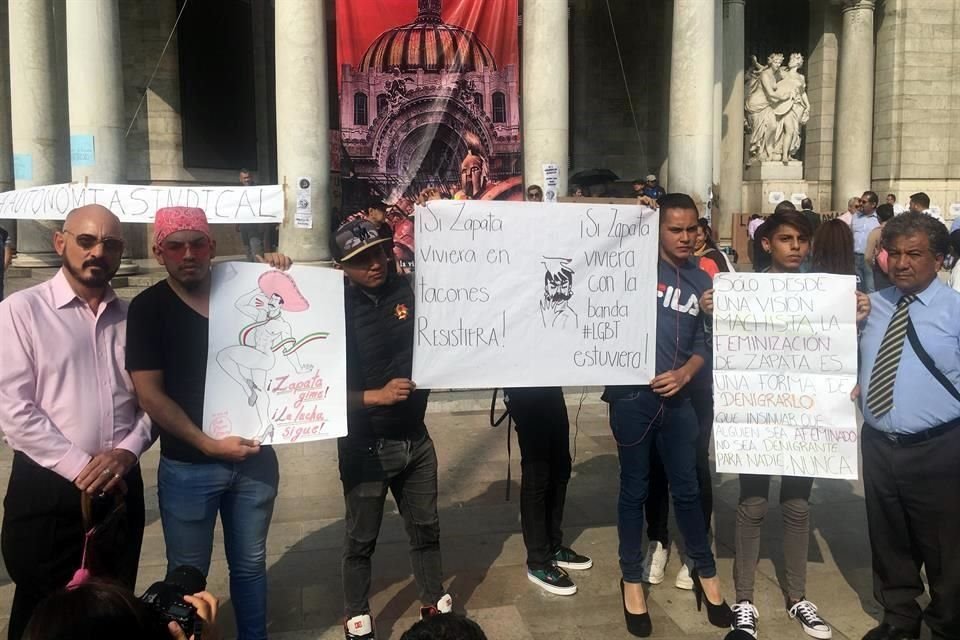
(928, 361)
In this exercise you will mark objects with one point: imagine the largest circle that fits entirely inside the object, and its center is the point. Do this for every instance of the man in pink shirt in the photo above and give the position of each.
(68, 411)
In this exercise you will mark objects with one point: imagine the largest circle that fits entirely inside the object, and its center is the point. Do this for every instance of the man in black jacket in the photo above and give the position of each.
(387, 445)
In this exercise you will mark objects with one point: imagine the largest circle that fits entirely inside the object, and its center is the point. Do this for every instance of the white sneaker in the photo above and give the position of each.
(684, 581)
(444, 605)
(813, 625)
(655, 563)
(358, 627)
(745, 617)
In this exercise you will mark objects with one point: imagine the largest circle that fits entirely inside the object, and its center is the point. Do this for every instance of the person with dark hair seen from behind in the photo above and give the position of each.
(99, 610)
(534, 193)
(451, 626)
(787, 244)
(661, 412)
(832, 249)
(909, 395)
(387, 446)
(68, 411)
(865, 221)
(876, 255)
(814, 218)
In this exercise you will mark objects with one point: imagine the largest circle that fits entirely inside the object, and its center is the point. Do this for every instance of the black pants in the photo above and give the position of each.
(408, 468)
(42, 537)
(543, 430)
(657, 507)
(913, 516)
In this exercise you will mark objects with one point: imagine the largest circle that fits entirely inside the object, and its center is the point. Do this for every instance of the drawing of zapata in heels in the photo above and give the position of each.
(249, 362)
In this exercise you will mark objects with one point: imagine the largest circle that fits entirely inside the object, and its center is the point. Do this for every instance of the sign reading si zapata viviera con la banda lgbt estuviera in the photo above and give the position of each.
(785, 362)
(535, 294)
(276, 361)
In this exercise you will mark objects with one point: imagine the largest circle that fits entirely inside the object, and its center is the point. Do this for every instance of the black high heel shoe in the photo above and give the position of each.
(638, 624)
(719, 615)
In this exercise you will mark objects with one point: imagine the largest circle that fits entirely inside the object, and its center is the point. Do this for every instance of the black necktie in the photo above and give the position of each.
(884, 374)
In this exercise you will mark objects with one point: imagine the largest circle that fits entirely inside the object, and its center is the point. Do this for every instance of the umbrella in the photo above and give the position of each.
(593, 176)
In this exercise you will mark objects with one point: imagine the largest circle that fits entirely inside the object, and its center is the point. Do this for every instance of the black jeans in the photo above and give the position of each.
(913, 517)
(408, 468)
(657, 508)
(543, 430)
(43, 535)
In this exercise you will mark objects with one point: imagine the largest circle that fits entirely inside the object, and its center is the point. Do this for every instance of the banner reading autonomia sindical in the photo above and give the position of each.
(429, 98)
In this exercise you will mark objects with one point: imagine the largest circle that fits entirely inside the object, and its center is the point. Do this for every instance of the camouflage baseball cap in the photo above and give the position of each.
(354, 237)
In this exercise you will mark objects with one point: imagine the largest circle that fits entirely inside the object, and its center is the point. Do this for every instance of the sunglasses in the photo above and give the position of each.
(88, 242)
(178, 249)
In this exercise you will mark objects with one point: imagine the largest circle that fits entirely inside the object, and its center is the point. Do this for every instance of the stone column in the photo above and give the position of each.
(39, 113)
(6, 133)
(853, 132)
(95, 87)
(546, 90)
(303, 123)
(731, 143)
(690, 136)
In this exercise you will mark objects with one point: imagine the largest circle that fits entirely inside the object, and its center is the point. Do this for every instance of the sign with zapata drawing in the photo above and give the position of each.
(534, 294)
(429, 98)
(276, 363)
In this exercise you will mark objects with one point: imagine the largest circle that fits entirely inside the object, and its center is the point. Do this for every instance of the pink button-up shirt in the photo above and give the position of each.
(65, 395)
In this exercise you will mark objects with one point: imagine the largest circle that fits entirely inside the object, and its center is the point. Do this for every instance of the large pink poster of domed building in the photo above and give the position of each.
(430, 98)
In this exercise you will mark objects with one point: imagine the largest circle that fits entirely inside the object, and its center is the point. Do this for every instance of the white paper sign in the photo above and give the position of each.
(276, 365)
(532, 294)
(139, 203)
(303, 217)
(551, 182)
(785, 361)
(775, 197)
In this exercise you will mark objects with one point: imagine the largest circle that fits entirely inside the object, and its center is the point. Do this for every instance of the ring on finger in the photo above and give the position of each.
(106, 472)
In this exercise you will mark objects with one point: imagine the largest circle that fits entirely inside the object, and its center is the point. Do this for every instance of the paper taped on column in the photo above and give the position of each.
(303, 217)
(551, 182)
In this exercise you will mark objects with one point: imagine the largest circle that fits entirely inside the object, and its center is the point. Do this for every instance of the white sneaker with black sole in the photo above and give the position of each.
(745, 617)
(553, 580)
(654, 563)
(805, 612)
(358, 628)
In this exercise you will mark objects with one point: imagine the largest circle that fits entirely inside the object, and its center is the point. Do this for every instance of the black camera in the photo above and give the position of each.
(165, 599)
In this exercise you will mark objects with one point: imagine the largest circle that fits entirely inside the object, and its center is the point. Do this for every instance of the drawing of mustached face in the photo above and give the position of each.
(274, 305)
(558, 287)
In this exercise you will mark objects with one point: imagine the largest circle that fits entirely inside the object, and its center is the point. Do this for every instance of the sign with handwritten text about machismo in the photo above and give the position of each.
(139, 203)
(784, 363)
(513, 294)
(276, 360)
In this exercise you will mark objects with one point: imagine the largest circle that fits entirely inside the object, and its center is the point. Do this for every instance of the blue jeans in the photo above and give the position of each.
(243, 493)
(638, 417)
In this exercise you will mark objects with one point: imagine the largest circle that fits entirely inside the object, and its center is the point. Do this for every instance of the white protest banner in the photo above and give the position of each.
(513, 294)
(276, 361)
(785, 361)
(139, 203)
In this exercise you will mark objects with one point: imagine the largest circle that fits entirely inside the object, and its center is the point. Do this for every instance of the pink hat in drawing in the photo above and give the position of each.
(281, 284)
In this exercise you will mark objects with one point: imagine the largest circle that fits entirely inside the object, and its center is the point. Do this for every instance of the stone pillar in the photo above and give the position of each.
(731, 143)
(690, 136)
(38, 92)
(6, 134)
(853, 133)
(95, 87)
(303, 123)
(546, 90)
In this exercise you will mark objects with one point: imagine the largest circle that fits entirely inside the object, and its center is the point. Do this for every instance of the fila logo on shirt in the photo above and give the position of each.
(671, 298)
